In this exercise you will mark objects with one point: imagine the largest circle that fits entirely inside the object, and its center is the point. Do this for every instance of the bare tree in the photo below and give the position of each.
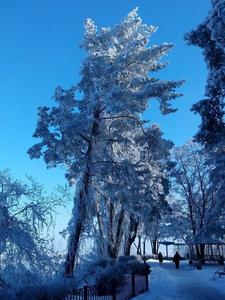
(194, 202)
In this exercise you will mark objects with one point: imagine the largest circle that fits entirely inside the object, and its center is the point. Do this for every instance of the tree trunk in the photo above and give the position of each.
(115, 229)
(80, 211)
(211, 248)
(202, 251)
(131, 235)
(139, 245)
(100, 229)
(76, 229)
(114, 250)
(154, 245)
(197, 251)
(144, 244)
(111, 212)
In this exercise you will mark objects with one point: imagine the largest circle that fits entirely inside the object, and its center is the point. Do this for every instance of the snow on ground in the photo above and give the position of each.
(187, 283)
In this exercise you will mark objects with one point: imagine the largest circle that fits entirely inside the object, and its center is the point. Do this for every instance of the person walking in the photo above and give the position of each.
(176, 259)
(160, 257)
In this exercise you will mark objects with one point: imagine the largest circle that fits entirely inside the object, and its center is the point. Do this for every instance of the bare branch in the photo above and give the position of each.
(124, 116)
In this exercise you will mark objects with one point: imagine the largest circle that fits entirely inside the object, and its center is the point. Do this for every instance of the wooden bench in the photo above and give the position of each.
(209, 259)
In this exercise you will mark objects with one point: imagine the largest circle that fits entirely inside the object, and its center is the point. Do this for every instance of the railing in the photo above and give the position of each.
(207, 258)
(86, 293)
(132, 286)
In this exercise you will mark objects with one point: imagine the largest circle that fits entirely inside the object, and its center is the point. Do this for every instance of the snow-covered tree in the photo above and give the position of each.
(131, 189)
(155, 164)
(209, 36)
(26, 216)
(116, 86)
(195, 206)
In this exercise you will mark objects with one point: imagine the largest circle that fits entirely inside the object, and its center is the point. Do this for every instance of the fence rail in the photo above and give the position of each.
(133, 285)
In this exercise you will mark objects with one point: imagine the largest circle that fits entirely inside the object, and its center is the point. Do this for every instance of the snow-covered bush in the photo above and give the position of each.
(112, 276)
(35, 285)
(102, 272)
(52, 289)
(91, 271)
(27, 258)
(132, 264)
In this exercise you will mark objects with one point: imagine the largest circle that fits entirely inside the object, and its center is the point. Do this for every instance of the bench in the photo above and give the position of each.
(219, 273)
(208, 259)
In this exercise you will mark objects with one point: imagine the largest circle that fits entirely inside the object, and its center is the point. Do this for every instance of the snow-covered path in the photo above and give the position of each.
(167, 283)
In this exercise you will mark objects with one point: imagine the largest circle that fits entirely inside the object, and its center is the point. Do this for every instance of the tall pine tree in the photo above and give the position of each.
(209, 36)
(115, 88)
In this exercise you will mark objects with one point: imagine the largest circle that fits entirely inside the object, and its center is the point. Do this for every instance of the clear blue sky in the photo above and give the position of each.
(40, 50)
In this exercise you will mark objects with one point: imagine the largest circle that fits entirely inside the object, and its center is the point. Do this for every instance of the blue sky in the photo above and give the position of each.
(40, 50)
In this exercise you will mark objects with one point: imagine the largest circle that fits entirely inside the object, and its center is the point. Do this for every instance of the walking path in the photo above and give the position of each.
(187, 283)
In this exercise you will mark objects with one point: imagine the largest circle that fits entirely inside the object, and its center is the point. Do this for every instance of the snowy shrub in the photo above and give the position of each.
(122, 260)
(90, 270)
(131, 264)
(54, 288)
(39, 289)
(103, 273)
(110, 277)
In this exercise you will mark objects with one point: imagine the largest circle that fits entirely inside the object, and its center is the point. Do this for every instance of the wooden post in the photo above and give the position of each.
(85, 292)
(133, 284)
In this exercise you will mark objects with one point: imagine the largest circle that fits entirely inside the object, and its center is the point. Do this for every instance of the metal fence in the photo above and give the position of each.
(86, 293)
(132, 286)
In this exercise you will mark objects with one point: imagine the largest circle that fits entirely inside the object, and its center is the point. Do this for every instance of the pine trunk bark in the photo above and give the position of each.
(144, 246)
(114, 245)
(100, 229)
(75, 235)
(111, 212)
(80, 205)
(139, 246)
(154, 247)
(131, 235)
(202, 251)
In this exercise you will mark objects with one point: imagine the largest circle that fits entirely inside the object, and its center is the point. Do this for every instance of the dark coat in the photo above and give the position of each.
(176, 258)
(160, 257)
